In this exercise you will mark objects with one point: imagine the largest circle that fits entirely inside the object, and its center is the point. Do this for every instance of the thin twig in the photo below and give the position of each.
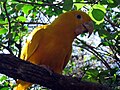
(87, 2)
(113, 24)
(9, 28)
(9, 23)
(25, 23)
(5, 47)
(87, 50)
(45, 4)
(101, 58)
(32, 23)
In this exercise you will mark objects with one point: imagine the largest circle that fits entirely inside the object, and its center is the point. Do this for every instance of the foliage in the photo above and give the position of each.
(95, 61)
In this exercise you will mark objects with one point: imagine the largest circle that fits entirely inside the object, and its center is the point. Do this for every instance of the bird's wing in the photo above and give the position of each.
(32, 43)
(67, 58)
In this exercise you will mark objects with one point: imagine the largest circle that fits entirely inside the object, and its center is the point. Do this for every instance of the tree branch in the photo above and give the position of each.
(87, 2)
(25, 23)
(97, 54)
(9, 28)
(32, 23)
(44, 4)
(20, 69)
(9, 23)
(6, 47)
(113, 24)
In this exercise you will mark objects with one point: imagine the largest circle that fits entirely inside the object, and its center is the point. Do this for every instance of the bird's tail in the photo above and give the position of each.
(21, 85)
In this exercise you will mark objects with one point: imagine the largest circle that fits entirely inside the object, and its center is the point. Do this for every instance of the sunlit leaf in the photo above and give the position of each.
(91, 75)
(3, 31)
(97, 13)
(26, 8)
(21, 19)
(3, 78)
(110, 1)
(114, 77)
(40, 2)
(79, 5)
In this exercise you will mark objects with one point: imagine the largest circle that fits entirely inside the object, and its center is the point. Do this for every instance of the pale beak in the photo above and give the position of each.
(84, 28)
(89, 27)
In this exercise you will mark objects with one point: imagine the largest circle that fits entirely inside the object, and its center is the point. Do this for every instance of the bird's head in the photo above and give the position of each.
(84, 23)
(77, 21)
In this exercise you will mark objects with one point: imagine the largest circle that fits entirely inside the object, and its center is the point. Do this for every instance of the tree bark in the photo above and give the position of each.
(26, 71)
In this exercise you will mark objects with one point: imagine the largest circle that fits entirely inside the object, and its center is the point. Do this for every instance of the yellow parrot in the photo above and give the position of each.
(51, 45)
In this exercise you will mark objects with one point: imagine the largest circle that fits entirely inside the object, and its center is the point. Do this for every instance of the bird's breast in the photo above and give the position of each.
(51, 54)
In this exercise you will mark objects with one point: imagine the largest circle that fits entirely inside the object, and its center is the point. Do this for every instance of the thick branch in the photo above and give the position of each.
(20, 69)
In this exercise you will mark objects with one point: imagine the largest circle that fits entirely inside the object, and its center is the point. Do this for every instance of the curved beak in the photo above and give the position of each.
(84, 28)
(89, 27)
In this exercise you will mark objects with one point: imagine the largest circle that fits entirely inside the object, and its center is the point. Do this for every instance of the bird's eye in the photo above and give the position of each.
(78, 16)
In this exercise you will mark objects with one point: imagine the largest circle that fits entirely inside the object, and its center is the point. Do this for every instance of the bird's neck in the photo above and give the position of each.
(62, 32)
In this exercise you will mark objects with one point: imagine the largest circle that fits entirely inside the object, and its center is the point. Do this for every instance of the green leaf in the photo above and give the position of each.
(114, 77)
(2, 78)
(40, 2)
(105, 43)
(108, 43)
(3, 21)
(79, 5)
(93, 72)
(19, 6)
(68, 5)
(110, 1)
(26, 8)
(91, 75)
(103, 33)
(21, 19)
(103, 2)
(3, 31)
(97, 13)
(113, 3)
(5, 88)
